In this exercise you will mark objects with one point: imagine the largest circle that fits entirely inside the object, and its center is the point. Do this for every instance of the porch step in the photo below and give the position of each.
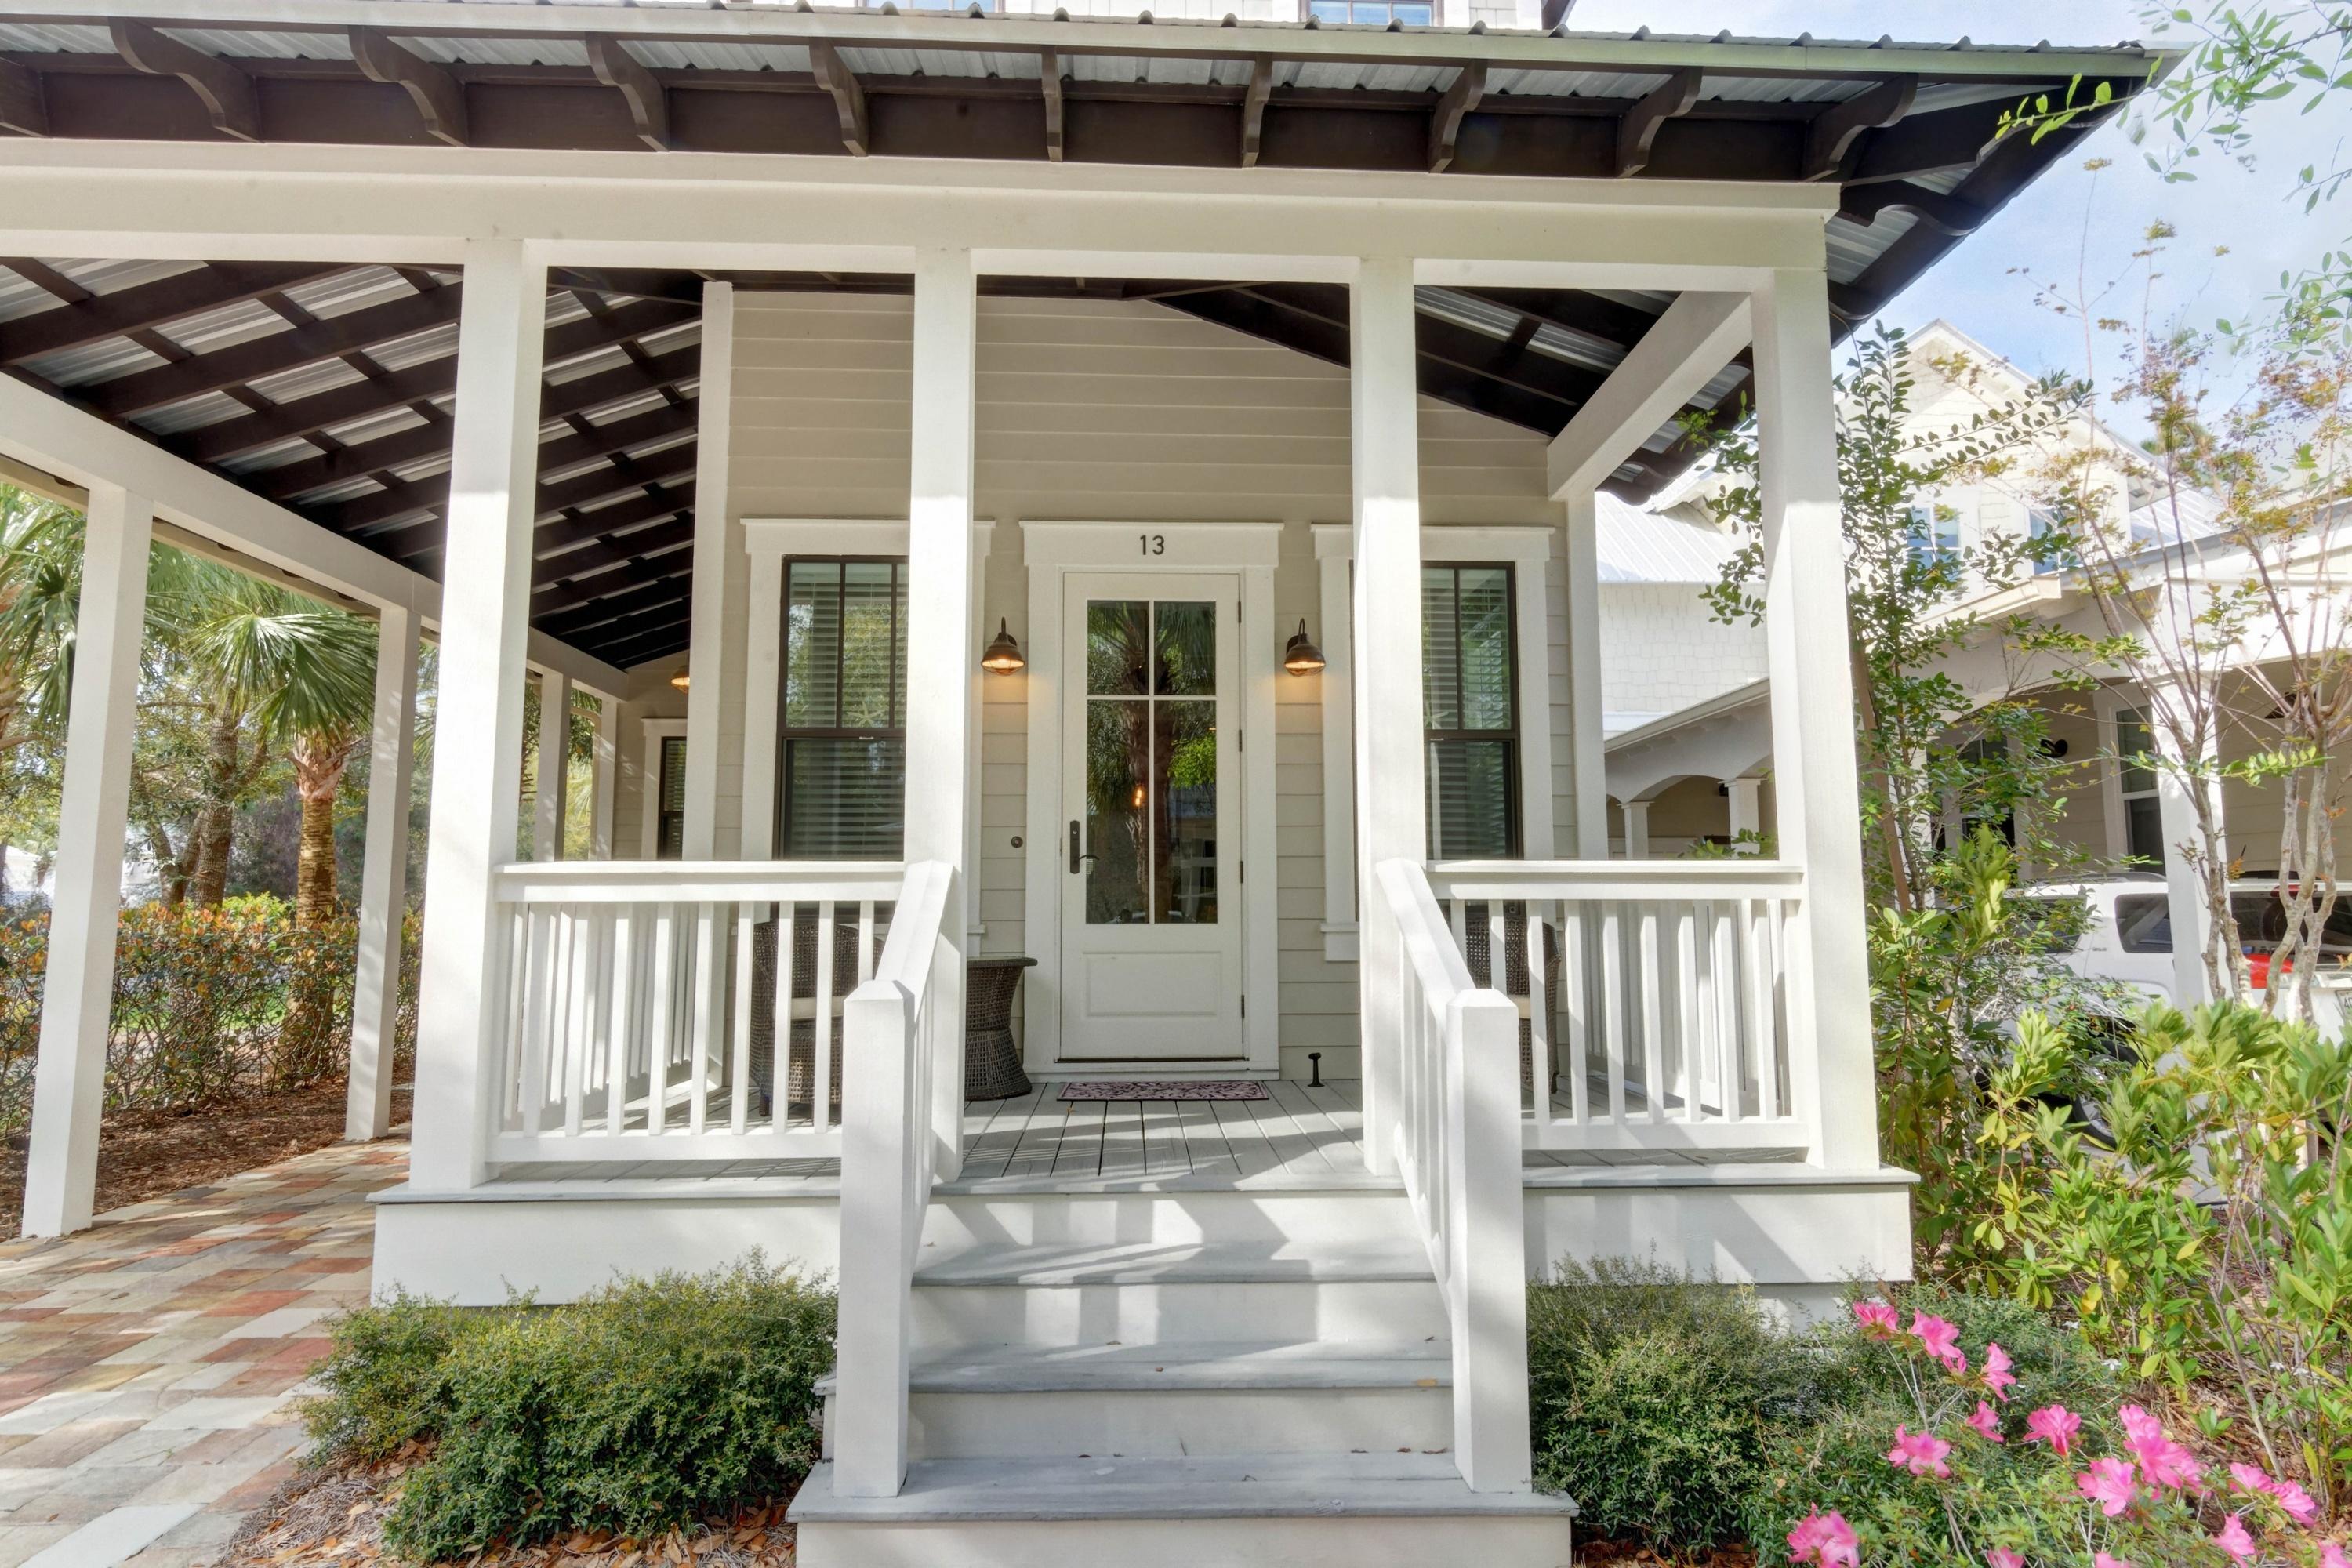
(1365, 1215)
(1380, 1510)
(1046, 1298)
(1315, 1396)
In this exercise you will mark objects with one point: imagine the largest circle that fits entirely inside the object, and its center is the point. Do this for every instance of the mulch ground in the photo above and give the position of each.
(144, 1154)
(1620, 1554)
(335, 1519)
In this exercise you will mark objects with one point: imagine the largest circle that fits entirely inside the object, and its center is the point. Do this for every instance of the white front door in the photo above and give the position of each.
(1152, 805)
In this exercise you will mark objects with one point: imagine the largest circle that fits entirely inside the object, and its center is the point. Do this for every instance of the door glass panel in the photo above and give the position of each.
(1185, 642)
(1117, 808)
(1117, 636)
(1184, 846)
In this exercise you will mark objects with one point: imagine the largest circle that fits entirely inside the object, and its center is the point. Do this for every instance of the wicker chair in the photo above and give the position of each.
(800, 1064)
(1477, 941)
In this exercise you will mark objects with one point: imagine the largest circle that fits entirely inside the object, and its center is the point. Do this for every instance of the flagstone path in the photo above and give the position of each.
(147, 1364)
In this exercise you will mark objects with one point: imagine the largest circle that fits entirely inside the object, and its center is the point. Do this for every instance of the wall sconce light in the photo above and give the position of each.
(1302, 657)
(679, 680)
(1003, 655)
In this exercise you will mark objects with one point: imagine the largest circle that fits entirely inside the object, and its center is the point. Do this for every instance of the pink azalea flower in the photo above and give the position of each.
(2249, 1480)
(1921, 1453)
(1985, 1424)
(2234, 1539)
(2102, 1559)
(1940, 1339)
(1998, 1378)
(2332, 1556)
(1824, 1541)
(1876, 1318)
(2109, 1483)
(2166, 1463)
(2002, 1557)
(2139, 1427)
(2054, 1425)
(2296, 1501)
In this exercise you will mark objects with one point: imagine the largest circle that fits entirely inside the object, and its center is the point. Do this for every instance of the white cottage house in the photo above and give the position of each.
(1118, 492)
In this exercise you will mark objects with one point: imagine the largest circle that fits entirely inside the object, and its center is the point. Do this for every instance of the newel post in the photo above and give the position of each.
(1489, 1232)
(871, 1354)
(1833, 1076)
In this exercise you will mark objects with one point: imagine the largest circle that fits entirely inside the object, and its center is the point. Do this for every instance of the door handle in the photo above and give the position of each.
(1076, 859)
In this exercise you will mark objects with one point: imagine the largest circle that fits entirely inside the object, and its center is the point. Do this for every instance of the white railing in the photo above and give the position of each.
(902, 1040)
(1457, 1148)
(1678, 1021)
(639, 994)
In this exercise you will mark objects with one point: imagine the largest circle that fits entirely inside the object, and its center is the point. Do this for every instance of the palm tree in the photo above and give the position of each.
(40, 587)
(306, 674)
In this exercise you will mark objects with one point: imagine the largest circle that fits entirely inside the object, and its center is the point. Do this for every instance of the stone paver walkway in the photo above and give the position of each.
(147, 1363)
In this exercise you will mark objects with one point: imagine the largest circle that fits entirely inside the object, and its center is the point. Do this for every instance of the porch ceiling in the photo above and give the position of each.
(329, 387)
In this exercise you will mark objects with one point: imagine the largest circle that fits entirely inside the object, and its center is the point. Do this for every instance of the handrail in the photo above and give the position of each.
(694, 882)
(1457, 1134)
(897, 1041)
(1627, 880)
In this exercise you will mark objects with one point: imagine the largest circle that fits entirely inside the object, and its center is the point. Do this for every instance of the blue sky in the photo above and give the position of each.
(2070, 223)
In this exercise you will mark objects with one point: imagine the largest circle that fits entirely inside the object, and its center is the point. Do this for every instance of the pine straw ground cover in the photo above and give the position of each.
(334, 1518)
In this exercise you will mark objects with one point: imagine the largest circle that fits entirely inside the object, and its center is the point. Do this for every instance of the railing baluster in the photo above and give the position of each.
(779, 1033)
(665, 1013)
(1687, 970)
(576, 1031)
(1761, 999)
(1731, 1057)
(820, 1068)
(703, 1043)
(1543, 1070)
(738, 1078)
(1579, 988)
(532, 1103)
(1612, 1007)
(1654, 1047)
(622, 1019)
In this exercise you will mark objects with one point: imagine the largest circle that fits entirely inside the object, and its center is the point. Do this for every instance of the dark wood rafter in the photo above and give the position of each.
(1468, 87)
(1049, 89)
(1833, 133)
(635, 602)
(370, 327)
(643, 92)
(657, 636)
(440, 97)
(1255, 97)
(24, 106)
(833, 73)
(390, 514)
(146, 306)
(1638, 127)
(226, 91)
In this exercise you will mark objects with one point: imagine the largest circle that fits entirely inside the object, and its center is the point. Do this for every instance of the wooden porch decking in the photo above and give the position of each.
(1300, 1137)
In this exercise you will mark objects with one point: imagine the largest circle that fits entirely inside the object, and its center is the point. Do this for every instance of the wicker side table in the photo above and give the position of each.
(991, 1066)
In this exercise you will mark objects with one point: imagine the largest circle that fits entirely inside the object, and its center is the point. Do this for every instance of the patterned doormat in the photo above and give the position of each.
(1149, 1089)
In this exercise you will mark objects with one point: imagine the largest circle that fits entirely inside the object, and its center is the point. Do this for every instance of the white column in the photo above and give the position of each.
(1637, 829)
(1392, 811)
(553, 765)
(1334, 557)
(77, 988)
(2179, 778)
(1812, 713)
(604, 775)
(1588, 745)
(942, 659)
(1744, 800)
(478, 720)
(383, 879)
(706, 694)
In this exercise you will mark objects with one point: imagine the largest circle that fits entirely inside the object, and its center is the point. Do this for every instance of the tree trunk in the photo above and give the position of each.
(215, 816)
(318, 779)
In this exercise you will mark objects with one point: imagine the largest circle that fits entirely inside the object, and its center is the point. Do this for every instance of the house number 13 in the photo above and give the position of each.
(1151, 543)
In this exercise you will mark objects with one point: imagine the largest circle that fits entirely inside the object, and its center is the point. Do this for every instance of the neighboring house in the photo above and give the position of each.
(1667, 777)
(991, 558)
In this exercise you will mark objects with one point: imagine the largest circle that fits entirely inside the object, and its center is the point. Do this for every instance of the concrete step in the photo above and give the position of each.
(1185, 1398)
(1361, 1215)
(1386, 1510)
(1067, 1296)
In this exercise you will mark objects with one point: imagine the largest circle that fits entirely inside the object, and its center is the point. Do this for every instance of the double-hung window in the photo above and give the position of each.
(2135, 781)
(843, 730)
(669, 809)
(1470, 700)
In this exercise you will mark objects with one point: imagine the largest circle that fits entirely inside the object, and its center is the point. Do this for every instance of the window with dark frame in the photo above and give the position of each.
(1470, 681)
(669, 818)
(2136, 783)
(841, 736)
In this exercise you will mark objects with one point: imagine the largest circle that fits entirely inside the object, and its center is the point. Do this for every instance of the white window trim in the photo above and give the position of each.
(1051, 549)
(1529, 550)
(768, 541)
(656, 730)
(2110, 705)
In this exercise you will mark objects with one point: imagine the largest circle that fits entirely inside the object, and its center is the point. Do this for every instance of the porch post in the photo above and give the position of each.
(78, 988)
(942, 660)
(1832, 1076)
(605, 773)
(383, 879)
(1588, 756)
(1637, 829)
(706, 692)
(478, 747)
(552, 765)
(1391, 811)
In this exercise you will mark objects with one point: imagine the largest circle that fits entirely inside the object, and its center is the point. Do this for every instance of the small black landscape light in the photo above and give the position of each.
(1003, 655)
(1302, 657)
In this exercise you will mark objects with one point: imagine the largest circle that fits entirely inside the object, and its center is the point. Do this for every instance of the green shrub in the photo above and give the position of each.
(641, 1408)
(385, 1378)
(1657, 1401)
